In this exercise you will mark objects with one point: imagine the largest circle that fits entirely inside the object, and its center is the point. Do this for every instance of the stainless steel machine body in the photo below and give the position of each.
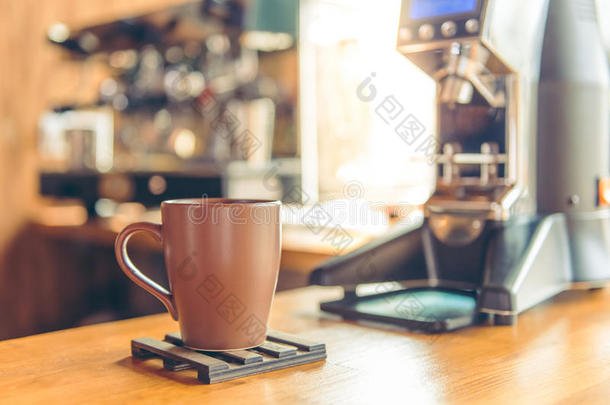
(519, 213)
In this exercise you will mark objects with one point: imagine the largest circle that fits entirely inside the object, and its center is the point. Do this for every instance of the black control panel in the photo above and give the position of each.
(436, 20)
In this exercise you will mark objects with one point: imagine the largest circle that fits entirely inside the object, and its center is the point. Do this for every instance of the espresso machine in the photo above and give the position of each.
(521, 208)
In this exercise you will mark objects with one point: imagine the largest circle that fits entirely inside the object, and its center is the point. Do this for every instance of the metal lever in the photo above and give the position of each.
(489, 171)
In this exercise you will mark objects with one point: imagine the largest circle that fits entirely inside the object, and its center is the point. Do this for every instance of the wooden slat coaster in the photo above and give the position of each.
(172, 365)
(301, 344)
(176, 354)
(242, 356)
(277, 350)
(280, 350)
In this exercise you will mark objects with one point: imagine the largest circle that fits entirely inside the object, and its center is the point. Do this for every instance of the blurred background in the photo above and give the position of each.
(109, 107)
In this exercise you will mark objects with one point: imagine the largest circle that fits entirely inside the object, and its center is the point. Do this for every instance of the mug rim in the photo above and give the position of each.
(221, 201)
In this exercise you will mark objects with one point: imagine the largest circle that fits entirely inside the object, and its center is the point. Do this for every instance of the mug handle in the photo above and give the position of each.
(120, 249)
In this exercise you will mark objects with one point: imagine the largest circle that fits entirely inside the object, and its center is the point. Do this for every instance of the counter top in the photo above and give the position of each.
(559, 352)
(302, 250)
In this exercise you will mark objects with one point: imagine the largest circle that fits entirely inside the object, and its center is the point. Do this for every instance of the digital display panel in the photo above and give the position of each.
(421, 9)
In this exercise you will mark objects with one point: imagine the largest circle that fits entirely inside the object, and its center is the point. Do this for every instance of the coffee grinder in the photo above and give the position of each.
(521, 208)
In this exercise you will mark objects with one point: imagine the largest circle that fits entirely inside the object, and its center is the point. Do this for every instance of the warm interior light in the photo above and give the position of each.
(64, 213)
(105, 208)
(267, 41)
(126, 213)
(604, 191)
(58, 32)
(184, 143)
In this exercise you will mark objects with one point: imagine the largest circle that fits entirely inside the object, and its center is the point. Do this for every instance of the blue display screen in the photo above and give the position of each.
(421, 9)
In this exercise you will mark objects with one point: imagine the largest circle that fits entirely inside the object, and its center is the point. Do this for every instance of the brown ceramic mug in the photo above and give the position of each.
(222, 258)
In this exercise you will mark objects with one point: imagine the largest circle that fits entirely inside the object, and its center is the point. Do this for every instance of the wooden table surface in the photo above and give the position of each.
(559, 352)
